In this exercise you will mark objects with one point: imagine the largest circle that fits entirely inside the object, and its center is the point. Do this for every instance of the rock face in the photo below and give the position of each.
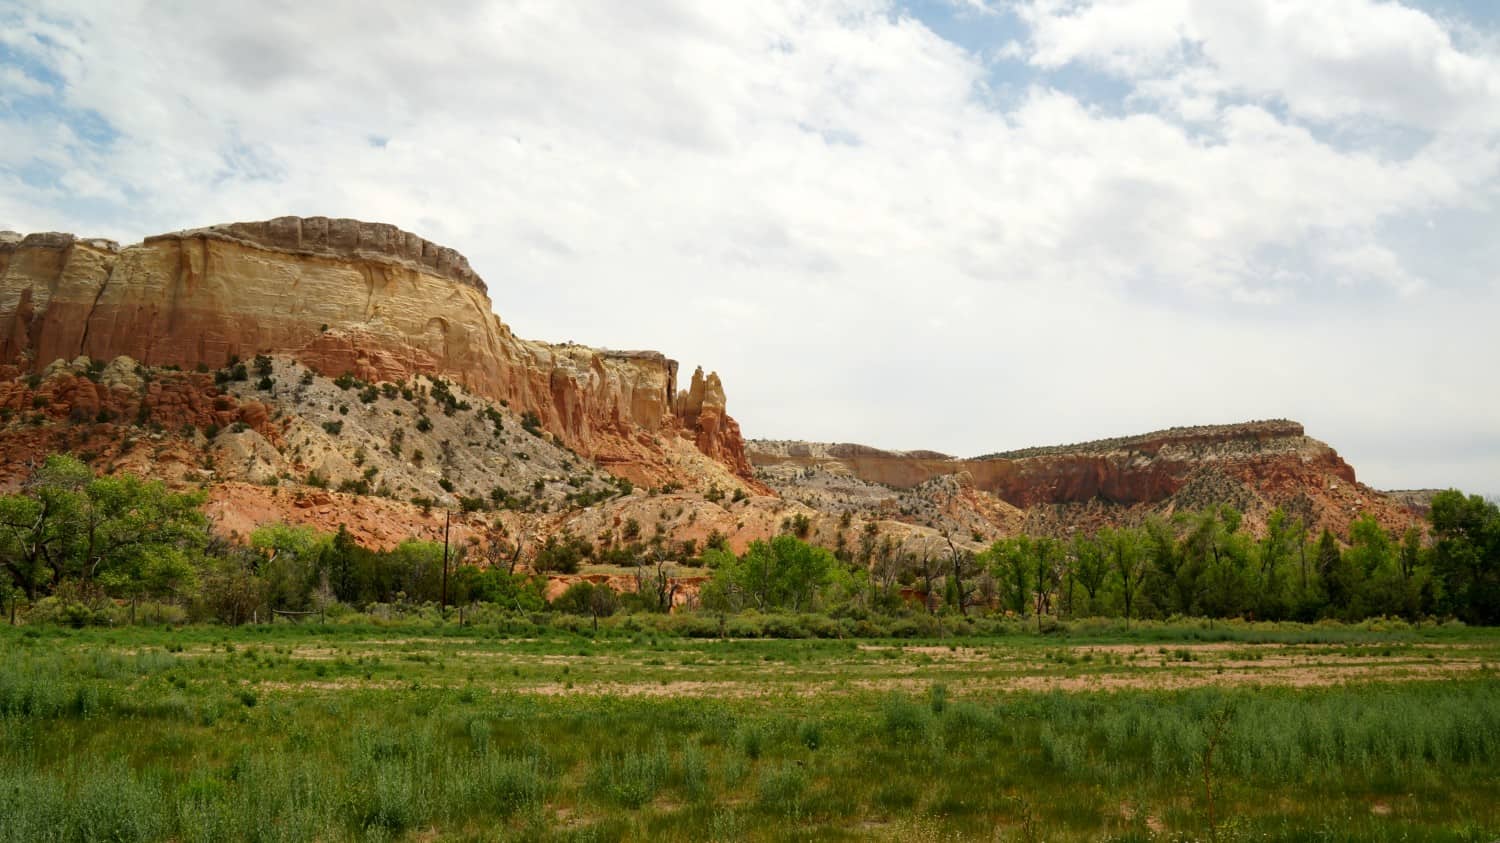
(344, 296)
(701, 409)
(1256, 465)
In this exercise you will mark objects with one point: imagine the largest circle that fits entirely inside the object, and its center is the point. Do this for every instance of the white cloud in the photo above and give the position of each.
(14, 84)
(1325, 60)
(822, 200)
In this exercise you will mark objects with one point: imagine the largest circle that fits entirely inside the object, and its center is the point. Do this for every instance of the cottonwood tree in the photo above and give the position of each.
(784, 573)
(1283, 539)
(586, 598)
(1127, 553)
(1011, 563)
(228, 588)
(1171, 583)
(1466, 555)
(1221, 554)
(1046, 573)
(289, 566)
(1337, 579)
(67, 523)
(1090, 567)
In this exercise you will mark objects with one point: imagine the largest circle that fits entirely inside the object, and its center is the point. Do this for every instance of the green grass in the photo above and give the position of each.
(348, 733)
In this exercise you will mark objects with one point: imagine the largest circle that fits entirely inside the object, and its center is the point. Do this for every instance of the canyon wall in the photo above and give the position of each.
(343, 296)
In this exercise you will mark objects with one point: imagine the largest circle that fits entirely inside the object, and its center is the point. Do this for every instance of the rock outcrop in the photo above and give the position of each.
(1256, 465)
(344, 296)
(701, 409)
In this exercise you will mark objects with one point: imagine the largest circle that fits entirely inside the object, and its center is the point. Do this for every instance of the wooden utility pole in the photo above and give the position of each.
(447, 518)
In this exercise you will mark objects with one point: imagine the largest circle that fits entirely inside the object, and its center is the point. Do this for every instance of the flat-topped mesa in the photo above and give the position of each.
(766, 448)
(344, 296)
(1253, 433)
(342, 239)
(1255, 466)
(1126, 470)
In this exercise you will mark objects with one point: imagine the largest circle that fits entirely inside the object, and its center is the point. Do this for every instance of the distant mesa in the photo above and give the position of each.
(1257, 466)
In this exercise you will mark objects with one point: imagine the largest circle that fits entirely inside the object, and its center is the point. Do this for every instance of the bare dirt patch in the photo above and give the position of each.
(736, 690)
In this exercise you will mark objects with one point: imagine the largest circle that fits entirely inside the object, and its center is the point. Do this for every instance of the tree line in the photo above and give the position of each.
(76, 547)
(1201, 564)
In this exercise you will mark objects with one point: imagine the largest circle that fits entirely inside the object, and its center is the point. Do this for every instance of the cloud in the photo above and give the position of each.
(835, 207)
(1328, 60)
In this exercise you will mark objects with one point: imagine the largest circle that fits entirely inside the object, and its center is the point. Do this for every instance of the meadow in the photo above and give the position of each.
(499, 732)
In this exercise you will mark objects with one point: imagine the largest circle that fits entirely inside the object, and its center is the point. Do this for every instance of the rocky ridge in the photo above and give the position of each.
(1256, 466)
(346, 297)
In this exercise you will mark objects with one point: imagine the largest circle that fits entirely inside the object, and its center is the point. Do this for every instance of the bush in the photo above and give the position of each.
(512, 785)
(632, 779)
(810, 734)
(902, 719)
(781, 788)
(938, 697)
(66, 612)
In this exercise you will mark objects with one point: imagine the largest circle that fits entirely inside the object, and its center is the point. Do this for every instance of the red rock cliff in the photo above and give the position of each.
(1254, 465)
(344, 296)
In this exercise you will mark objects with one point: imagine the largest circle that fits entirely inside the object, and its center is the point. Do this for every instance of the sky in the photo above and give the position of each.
(960, 225)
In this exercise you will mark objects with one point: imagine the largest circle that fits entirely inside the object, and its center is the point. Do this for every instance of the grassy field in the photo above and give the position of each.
(332, 733)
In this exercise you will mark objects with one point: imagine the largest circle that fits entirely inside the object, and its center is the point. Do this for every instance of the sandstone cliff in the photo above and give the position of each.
(344, 296)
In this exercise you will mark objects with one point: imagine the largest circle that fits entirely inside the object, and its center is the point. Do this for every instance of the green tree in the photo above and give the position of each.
(289, 563)
(345, 566)
(1127, 558)
(1045, 573)
(1091, 567)
(1276, 551)
(513, 591)
(561, 554)
(785, 572)
(1338, 578)
(587, 599)
(1374, 558)
(1216, 556)
(125, 522)
(65, 522)
(1169, 583)
(1012, 564)
(228, 589)
(1466, 555)
(34, 532)
(415, 568)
